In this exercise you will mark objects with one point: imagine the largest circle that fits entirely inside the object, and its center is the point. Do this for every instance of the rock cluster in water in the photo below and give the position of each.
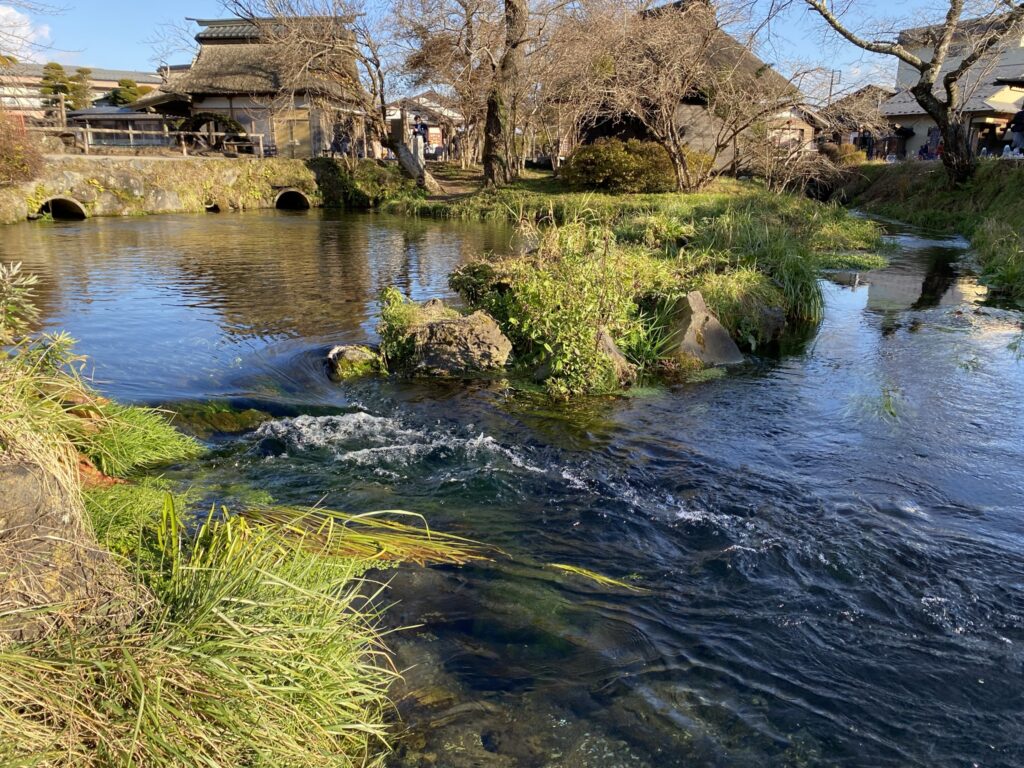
(702, 337)
(438, 341)
(351, 361)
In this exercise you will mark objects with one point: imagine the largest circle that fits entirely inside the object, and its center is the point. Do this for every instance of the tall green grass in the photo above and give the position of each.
(257, 650)
(612, 264)
(1000, 250)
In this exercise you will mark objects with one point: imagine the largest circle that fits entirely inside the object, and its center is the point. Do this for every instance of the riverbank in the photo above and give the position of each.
(987, 210)
(137, 629)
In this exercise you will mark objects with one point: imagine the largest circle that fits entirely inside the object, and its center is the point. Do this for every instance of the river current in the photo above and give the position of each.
(824, 548)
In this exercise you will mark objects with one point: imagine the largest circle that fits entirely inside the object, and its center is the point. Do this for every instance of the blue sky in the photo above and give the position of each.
(117, 34)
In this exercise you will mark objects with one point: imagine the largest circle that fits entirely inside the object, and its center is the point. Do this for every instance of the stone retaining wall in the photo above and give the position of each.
(135, 186)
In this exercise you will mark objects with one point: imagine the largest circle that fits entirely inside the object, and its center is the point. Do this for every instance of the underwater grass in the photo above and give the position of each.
(380, 537)
(594, 576)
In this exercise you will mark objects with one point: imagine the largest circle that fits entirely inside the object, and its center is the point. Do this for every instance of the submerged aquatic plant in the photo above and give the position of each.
(374, 537)
(594, 576)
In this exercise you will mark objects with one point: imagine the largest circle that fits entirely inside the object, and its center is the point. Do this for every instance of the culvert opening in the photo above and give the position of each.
(212, 208)
(292, 200)
(62, 209)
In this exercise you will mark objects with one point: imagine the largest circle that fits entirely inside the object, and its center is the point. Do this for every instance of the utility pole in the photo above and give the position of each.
(835, 77)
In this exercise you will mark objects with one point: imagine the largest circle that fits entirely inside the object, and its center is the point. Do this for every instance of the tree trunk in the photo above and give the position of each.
(957, 153)
(498, 128)
(411, 164)
(679, 167)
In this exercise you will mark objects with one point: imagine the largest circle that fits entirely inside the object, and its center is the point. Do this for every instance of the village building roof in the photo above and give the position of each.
(984, 87)
(27, 70)
(158, 97)
(727, 52)
(227, 69)
(235, 58)
(430, 104)
(928, 35)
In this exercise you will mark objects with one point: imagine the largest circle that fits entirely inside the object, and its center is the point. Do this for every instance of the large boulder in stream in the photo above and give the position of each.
(702, 337)
(53, 573)
(352, 361)
(444, 343)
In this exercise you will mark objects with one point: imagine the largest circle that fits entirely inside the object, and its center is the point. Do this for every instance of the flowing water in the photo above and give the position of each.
(824, 549)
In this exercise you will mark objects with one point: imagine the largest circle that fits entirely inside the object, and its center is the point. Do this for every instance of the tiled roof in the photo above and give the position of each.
(979, 88)
(233, 29)
(28, 69)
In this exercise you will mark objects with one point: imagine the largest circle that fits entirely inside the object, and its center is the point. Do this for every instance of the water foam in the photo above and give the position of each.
(380, 442)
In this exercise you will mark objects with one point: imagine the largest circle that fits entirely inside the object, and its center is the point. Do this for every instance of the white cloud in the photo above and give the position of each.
(20, 36)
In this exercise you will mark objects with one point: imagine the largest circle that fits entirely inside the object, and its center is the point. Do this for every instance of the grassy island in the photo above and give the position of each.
(618, 265)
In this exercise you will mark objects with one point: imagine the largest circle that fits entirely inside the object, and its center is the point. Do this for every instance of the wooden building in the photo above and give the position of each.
(237, 73)
(21, 84)
(991, 90)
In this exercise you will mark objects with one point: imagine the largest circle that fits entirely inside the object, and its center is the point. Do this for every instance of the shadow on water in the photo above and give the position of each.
(820, 554)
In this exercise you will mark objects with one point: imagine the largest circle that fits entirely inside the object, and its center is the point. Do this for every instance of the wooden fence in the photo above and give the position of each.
(91, 140)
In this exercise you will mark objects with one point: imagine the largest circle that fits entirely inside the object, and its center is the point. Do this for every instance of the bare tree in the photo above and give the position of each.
(448, 46)
(333, 51)
(693, 87)
(18, 34)
(172, 40)
(944, 55)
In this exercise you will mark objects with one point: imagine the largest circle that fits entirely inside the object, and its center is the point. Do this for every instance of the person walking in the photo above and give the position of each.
(1017, 130)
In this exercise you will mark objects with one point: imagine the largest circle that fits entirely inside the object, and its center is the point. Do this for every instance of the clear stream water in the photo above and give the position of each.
(830, 542)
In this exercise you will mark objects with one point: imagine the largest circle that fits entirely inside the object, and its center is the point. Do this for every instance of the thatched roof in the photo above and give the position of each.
(239, 68)
(240, 57)
(966, 29)
(727, 52)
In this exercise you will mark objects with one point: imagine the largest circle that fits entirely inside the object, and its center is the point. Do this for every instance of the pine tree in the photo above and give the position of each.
(127, 91)
(55, 80)
(80, 90)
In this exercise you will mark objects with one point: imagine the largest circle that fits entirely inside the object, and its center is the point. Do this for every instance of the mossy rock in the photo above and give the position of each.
(353, 362)
(206, 419)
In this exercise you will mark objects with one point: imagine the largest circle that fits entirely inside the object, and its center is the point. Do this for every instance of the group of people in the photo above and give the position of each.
(420, 133)
(1014, 148)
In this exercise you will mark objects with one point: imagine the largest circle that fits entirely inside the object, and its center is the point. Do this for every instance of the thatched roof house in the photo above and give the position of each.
(788, 120)
(244, 70)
